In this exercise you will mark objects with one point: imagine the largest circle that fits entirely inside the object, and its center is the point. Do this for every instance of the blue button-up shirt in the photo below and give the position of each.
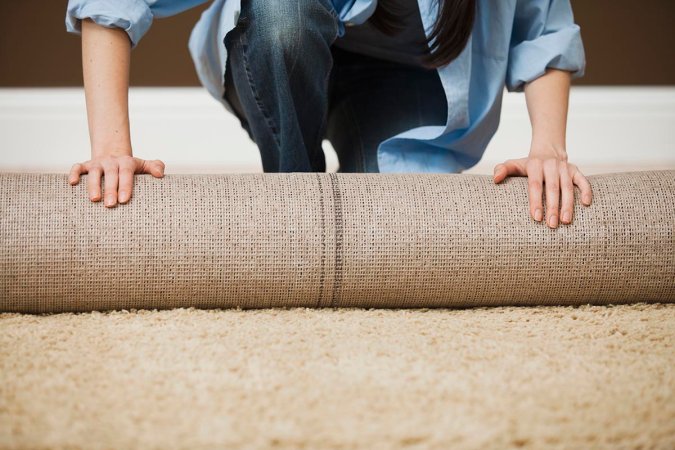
(513, 42)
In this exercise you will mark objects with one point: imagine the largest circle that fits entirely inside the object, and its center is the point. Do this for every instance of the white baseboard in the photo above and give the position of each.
(44, 129)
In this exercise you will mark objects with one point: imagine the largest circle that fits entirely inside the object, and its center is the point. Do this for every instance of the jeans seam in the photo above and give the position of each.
(361, 154)
(249, 76)
(324, 119)
(297, 45)
(333, 12)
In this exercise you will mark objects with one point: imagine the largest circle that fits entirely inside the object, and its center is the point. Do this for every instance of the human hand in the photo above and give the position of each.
(550, 168)
(118, 175)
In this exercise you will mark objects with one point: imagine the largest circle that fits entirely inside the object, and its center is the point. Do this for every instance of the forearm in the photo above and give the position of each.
(547, 100)
(105, 62)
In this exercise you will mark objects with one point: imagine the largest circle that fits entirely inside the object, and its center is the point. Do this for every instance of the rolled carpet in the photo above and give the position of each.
(337, 240)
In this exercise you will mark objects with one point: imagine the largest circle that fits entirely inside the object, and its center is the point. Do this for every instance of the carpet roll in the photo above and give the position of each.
(330, 240)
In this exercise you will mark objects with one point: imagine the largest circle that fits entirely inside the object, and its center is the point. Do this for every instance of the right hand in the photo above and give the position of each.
(118, 175)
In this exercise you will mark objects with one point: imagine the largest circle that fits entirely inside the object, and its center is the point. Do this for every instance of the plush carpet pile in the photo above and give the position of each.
(508, 377)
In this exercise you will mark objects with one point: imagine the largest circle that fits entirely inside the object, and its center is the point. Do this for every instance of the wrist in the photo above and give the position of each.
(110, 144)
(111, 138)
(548, 149)
(107, 149)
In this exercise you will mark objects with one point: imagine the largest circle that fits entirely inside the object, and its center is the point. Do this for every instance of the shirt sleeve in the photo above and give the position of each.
(133, 16)
(544, 36)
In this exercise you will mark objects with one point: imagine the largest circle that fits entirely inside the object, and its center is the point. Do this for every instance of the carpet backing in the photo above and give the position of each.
(324, 239)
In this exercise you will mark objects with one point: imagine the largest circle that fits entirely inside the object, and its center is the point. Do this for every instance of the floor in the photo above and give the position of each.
(486, 378)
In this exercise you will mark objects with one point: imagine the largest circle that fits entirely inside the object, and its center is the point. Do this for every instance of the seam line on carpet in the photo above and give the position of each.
(337, 202)
(322, 207)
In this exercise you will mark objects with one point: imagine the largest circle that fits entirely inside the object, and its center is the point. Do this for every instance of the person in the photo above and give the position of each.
(394, 85)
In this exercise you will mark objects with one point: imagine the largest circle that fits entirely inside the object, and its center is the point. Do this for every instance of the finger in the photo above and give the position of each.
(94, 183)
(75, 171)
(535, 179)
(509, 167)
(552, 181)
(586, 191)
(126, 181)
(155, 168)
(566, 193)
(110, 181)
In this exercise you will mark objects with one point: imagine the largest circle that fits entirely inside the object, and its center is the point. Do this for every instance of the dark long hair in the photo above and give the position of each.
(451, 30)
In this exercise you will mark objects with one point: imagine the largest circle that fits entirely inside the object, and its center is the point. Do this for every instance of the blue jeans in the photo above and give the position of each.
(291, 88)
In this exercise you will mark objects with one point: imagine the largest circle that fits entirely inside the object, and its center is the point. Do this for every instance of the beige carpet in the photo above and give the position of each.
(542, 377)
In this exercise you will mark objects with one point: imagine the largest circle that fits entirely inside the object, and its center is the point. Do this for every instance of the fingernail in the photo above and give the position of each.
(553, 221)
(537, 215)
(109, 201)
(123, 197)
(566, 217)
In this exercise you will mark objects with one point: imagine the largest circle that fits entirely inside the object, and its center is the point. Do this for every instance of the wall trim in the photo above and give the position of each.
(45, 129)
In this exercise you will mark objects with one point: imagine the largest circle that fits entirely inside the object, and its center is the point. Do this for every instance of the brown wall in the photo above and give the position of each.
(626, 42)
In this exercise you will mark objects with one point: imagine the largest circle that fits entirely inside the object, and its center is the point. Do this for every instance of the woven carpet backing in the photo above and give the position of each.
(330, 240)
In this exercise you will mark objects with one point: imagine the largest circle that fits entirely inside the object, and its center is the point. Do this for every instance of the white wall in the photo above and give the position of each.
(609, 129)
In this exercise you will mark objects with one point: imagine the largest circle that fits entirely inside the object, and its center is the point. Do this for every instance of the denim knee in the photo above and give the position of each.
(289, 26)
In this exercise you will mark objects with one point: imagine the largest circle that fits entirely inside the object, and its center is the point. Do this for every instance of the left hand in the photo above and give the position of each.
(549, 168)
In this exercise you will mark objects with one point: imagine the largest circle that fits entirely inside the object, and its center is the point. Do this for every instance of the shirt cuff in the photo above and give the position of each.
(529, 60)
(133, 16)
